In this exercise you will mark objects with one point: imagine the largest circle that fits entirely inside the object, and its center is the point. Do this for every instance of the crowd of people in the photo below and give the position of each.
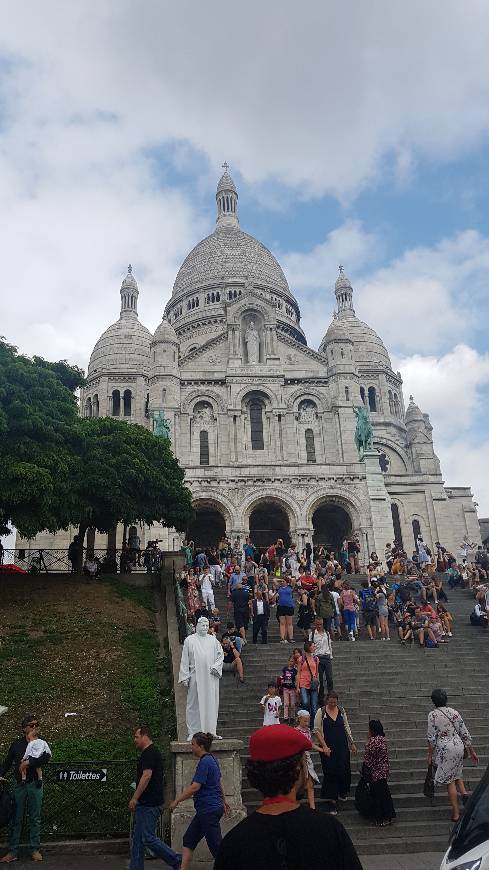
(314, 596)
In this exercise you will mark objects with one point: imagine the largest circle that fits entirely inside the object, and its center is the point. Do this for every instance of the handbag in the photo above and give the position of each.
(314, 680)
(363, 801)
(429, 784)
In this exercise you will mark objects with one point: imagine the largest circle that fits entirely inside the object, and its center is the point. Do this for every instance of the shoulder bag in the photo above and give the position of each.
(314, 680)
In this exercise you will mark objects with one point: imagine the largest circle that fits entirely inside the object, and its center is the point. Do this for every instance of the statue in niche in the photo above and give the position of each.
(252, 341)
(307, 412)
(204, 414)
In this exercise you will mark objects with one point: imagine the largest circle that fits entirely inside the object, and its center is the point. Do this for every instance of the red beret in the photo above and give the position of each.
(274, 742)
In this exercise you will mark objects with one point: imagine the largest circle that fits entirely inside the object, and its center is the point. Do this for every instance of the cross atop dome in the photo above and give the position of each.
(227, 200)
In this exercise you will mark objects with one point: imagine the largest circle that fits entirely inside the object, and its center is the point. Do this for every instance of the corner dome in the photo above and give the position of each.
(124, 347)
(165, 333)
(368, 347)
(229, 254)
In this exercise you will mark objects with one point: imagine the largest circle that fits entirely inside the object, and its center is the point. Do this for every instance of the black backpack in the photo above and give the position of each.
(7, 805)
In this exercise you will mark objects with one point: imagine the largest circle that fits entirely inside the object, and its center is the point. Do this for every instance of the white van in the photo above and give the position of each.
(469, 841)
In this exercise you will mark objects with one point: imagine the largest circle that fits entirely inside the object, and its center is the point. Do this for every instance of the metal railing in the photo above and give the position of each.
(47, 561)
(86, 799)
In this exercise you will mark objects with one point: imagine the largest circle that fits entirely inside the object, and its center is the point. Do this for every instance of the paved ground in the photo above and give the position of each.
(426, 860)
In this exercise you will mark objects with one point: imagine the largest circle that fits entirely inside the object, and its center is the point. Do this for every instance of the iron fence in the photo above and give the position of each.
(86, 799)
(39, 561)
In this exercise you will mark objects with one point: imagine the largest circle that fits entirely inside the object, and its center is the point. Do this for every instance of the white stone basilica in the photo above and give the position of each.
(262, 424)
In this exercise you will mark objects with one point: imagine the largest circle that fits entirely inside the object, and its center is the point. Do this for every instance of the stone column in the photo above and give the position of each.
(380, 503)
(227, 755)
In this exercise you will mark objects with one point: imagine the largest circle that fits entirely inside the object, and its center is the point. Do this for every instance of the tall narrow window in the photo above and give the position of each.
(310, 446)
(391, 403)
(127, 403)
(416, 531)
(347, 394)
(95, 405)
(362, 394)
(88, 408)
(116, 403)
(396, 522)
(256, 425)
(204, 447)
(397, 408)
(372, 398)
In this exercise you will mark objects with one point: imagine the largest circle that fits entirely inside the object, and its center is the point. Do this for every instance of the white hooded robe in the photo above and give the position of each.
(200, 670)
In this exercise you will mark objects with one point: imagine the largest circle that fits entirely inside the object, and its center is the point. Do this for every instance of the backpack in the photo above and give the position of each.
(7, 805)
(369, 603)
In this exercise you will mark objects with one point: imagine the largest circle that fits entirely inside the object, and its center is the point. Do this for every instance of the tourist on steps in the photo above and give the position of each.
(209, 801)
(146, 804)
(282, 833)
(376, 764)
(289, 692)
(285, 611)
(310, 775)
(308, 679)
(448, 739)
(331, 723)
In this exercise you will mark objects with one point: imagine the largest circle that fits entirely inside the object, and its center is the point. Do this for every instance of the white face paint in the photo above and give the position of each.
(202, 626)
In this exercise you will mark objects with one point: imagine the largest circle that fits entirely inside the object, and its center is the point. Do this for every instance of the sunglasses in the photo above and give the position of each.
(32, 725)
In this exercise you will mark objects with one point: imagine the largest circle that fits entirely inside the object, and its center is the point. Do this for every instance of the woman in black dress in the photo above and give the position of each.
(331, 723)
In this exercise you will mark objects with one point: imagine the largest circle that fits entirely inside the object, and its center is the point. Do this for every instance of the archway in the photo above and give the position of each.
(208, 526)
(268, 522)
(331, 524)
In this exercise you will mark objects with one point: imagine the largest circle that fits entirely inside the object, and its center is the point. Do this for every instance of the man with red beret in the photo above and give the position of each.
(282, 833)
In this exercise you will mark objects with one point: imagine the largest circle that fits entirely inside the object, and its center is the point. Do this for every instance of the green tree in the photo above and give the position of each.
(122, 473)
(37, 419)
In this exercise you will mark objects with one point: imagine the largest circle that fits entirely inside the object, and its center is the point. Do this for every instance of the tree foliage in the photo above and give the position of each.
(37, 417)
(123, 473)
(59, 469)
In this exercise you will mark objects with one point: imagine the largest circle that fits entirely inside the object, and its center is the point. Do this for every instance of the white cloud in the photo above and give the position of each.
(426, 300)
(453, 388)
(316, 95)
(449, 387)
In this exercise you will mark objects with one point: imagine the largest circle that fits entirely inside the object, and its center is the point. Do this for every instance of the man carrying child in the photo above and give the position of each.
(28, 789)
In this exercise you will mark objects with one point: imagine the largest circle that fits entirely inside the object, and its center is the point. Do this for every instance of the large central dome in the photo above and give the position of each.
(229, 254)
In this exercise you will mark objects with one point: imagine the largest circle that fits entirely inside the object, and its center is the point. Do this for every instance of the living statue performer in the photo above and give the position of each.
(364, 432)
(252, 341)
(200, 671)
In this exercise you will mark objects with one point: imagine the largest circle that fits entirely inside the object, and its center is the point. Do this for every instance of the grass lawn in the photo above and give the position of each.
(86, 648)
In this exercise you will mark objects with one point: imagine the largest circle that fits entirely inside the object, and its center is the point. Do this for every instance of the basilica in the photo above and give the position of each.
(263, 424)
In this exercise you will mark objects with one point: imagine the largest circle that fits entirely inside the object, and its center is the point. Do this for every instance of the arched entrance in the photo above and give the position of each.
(268, 522)
(208, 526)
(331, 524)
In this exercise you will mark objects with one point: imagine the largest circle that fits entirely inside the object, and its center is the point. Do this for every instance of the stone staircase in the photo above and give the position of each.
(393, 683)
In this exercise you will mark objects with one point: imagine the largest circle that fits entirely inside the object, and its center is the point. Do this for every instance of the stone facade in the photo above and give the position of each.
(263, 424)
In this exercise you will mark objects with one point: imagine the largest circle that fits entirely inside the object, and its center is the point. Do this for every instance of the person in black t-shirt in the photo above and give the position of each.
(282, 833)
(146, 803)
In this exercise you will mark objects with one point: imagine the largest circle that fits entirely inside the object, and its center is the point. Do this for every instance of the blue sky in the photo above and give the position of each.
(356, 133)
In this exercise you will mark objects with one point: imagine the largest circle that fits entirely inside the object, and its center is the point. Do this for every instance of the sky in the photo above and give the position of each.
(356, 133)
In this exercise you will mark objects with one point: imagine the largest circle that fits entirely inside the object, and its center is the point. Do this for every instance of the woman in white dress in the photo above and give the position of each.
(448, 738)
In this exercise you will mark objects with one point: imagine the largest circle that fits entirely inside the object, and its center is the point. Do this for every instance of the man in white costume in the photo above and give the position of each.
(200, 672)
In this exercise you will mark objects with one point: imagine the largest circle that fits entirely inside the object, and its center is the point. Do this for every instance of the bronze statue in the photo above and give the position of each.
(364, 432)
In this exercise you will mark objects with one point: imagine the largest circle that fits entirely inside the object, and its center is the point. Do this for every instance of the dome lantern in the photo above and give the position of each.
(129, 294)
(227, 200)
(344, 293)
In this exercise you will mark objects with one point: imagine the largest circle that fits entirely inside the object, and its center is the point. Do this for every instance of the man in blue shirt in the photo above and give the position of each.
(238, 576)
